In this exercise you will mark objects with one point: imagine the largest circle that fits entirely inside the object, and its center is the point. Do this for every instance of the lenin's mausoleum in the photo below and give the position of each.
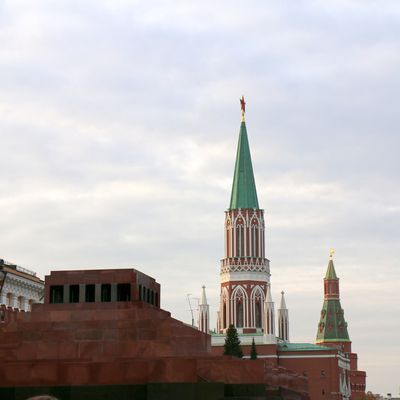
(101, 334)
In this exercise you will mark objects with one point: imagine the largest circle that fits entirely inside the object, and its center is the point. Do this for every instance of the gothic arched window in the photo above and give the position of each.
(240, 240)
(239, 313)
(239, 299)
(257, 301)
(254, 239)
(228, 238)
(258, 314)
(224, 315)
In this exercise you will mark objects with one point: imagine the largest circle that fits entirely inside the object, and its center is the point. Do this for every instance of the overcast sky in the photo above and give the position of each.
(118, 130)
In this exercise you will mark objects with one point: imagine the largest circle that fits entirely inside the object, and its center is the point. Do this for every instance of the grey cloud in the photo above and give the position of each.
(118, 127)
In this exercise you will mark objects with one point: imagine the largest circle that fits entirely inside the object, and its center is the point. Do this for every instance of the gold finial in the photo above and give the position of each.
(331, 253)
(243, 107)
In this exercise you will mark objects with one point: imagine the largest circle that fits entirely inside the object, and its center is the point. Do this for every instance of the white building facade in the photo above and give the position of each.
(21, 287)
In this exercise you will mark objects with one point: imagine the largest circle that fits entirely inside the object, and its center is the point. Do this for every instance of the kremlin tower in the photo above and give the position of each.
(332, 332)
(332, 327)
(204, 313)
(269, 314)
(244, 272)
(283, 320)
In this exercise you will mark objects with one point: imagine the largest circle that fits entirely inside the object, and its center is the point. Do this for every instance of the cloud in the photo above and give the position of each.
(118, 132)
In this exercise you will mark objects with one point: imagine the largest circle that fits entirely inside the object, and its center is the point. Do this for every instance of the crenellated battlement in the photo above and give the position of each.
(8, 314)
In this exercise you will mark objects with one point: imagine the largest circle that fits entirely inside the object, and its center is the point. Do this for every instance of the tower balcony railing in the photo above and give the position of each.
(244, 264)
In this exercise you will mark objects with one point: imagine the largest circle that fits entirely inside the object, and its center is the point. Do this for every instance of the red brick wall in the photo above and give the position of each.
(322, 373)
(71, 343)
(119, 343)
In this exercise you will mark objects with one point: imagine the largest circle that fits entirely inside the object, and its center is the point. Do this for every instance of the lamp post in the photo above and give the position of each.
(190, 306)
(3, 275)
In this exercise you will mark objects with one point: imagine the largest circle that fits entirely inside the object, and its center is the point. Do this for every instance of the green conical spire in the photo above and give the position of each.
(244, 193)
(330, 272)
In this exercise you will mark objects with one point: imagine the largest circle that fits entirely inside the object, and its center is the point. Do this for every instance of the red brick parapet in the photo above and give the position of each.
(8, 314)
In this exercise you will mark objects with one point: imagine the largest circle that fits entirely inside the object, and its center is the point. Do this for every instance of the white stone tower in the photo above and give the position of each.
(269, 314)
(204, 313)
(283, 320)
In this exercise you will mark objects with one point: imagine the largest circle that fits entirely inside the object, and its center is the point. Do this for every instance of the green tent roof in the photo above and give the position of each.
(332, 326)
(244, 193)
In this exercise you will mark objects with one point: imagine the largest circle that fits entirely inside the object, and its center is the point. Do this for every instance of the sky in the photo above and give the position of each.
(119, 123)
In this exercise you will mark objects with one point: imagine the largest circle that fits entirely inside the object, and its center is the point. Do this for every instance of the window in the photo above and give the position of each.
(254, 240)
(106, 292)
(140, 292)
(228, 241)
(90, 291)
(239, 300)
(20, 302)
(224, 315)
(57, 294)
(74, 294)
(123, 292)
(240, 241)
(156, 300)
(258, 314)
(239, 314)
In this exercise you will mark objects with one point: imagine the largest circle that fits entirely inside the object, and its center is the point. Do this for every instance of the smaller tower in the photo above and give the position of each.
(269, 313)
(283, 320)
(332, 327)
(204, 312)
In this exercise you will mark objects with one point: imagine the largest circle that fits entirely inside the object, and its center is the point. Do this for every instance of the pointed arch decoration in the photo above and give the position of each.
(254, 238)
(225, 321)
(228, 237)
(257, 299)
(239, 307)
(240, 238)
(240, 234)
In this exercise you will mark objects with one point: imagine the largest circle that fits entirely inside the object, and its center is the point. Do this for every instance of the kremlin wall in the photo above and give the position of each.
(101, 334)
